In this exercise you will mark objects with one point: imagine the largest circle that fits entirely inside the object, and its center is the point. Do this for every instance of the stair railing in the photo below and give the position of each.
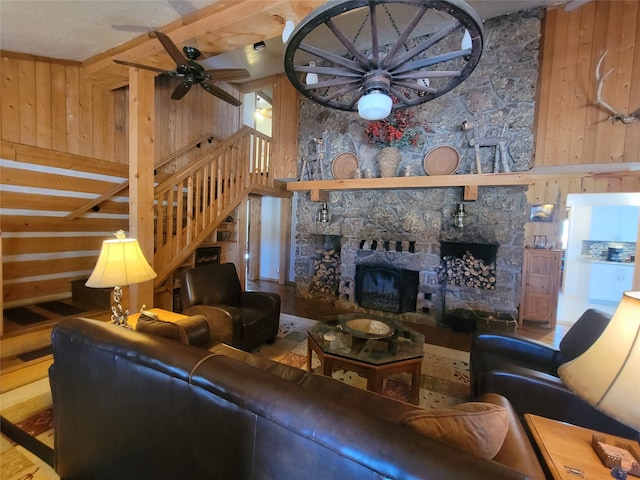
(192, 202)
(122, 186)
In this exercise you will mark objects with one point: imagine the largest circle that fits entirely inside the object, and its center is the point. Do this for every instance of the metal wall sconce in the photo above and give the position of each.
(323, 214)
(460, 216)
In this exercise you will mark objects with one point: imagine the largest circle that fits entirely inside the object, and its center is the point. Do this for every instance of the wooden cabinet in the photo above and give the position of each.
(540, 285)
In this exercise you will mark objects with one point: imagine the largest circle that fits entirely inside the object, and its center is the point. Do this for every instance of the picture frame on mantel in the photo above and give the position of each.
(542, 212)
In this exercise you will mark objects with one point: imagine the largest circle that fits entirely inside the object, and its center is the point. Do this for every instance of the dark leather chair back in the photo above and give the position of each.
(214, 284)
(582, 335)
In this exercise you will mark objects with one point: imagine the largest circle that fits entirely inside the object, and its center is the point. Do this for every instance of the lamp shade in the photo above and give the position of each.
(607, 375)
(121, 262)
(375, 105)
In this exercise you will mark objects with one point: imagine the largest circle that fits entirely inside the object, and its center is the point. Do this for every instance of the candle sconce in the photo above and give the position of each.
(323, 214)
(459, 216)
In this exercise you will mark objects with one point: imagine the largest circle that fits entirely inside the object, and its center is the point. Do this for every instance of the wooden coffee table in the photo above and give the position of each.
(372, 358)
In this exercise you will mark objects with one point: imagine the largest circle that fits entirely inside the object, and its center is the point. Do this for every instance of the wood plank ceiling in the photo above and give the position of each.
(221, 27)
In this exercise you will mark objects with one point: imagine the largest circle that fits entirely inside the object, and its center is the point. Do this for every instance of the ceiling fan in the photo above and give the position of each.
(191, 72)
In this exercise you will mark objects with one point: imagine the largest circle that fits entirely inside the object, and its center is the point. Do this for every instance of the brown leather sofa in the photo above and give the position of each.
(526, 372)
(128, 405)
(245, 320)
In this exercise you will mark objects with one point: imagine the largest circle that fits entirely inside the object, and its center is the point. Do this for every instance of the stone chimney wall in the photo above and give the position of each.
(498, 99)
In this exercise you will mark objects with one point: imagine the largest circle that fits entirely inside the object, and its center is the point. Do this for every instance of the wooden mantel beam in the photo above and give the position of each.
(219, 28)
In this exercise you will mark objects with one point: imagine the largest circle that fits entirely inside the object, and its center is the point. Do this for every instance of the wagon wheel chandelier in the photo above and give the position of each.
(373, 56)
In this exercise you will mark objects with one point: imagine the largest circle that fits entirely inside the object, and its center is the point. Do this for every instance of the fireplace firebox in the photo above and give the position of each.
(386, 288)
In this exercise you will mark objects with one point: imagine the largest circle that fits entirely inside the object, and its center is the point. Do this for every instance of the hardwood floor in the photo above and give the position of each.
(443, 336)
(20, 368)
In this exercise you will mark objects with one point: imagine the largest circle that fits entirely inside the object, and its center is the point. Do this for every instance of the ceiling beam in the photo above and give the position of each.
(219, 28)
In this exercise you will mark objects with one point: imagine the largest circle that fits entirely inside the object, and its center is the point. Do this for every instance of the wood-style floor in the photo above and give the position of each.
(443, 336)
(24, 368)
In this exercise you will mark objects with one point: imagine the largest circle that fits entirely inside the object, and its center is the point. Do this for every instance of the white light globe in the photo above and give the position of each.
(374, 105)
(288, 30)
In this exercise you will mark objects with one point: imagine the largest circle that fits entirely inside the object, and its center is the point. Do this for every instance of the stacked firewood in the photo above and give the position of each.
(467, 271)
(326, 278)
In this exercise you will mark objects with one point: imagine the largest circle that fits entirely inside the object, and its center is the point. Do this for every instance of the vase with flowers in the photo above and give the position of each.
(393, 133)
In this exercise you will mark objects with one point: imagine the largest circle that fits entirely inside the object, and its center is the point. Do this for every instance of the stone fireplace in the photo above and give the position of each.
(408, 229)
(412, 230)
(385, 288)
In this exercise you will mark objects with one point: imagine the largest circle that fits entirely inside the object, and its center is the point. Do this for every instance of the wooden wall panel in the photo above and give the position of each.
(555, 191)
(43, 251)
(50, 105)
(570, 129)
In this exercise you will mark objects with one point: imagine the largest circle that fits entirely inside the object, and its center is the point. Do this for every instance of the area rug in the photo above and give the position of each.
(444, 381)
(18, 463)
(29, 409)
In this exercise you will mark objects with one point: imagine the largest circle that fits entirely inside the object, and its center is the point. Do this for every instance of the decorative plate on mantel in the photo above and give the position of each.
(442, 160)
(344, 166)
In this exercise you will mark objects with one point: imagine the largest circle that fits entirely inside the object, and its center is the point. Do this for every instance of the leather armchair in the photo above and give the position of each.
(526, 372)
(238, 318)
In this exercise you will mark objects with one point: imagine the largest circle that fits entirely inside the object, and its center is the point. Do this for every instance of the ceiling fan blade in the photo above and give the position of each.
(223, 74)
(221, 94)
(181, 90)
(146, 67)
(171, 48)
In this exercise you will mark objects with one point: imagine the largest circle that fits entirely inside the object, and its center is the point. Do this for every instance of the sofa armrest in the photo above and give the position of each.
(220, 322)
(515, 346)
(517, 452)
(546, 396)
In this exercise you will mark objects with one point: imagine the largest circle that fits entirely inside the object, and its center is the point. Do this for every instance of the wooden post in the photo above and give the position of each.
(255, 226)
(285, 240)
(141, 160)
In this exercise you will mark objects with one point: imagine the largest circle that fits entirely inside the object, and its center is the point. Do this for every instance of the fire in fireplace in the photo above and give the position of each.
(386, 288)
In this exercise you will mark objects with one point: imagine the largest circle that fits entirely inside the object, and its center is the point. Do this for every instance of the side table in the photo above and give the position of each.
(566, 449)
(164, 315)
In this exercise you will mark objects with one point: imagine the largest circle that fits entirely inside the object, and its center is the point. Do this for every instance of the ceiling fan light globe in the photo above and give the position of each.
(466, 43)
(374, 105)
(288, 30)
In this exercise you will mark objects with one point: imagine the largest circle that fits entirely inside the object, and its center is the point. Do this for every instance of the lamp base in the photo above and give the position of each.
(118, 315)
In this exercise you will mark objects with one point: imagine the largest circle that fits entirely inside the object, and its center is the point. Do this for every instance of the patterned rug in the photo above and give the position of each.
(445, 372)
(29, 409)
(444, 382)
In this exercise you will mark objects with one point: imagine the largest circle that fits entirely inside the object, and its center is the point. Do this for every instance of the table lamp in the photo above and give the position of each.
(607, 375)
(121, 262)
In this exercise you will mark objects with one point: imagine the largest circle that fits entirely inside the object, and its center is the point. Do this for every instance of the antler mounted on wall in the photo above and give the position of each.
(616, 116)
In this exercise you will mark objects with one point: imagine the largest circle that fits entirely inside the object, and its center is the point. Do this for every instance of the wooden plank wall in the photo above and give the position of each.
(555, 190)
(572, 133)
(64, 141)
(570, 129)
(47, 104)
(42, 251)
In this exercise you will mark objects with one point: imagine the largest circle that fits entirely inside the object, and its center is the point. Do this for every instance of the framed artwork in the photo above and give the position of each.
(541, 212)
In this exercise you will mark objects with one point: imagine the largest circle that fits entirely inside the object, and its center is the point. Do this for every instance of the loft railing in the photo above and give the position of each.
(191, 203)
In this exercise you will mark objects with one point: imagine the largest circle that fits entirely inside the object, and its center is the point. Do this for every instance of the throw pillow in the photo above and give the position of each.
(476, 427)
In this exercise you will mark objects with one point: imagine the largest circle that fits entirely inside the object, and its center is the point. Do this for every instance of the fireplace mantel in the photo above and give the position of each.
(319, 188)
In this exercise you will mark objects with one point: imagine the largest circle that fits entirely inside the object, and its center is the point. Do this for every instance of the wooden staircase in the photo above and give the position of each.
(190, 204)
